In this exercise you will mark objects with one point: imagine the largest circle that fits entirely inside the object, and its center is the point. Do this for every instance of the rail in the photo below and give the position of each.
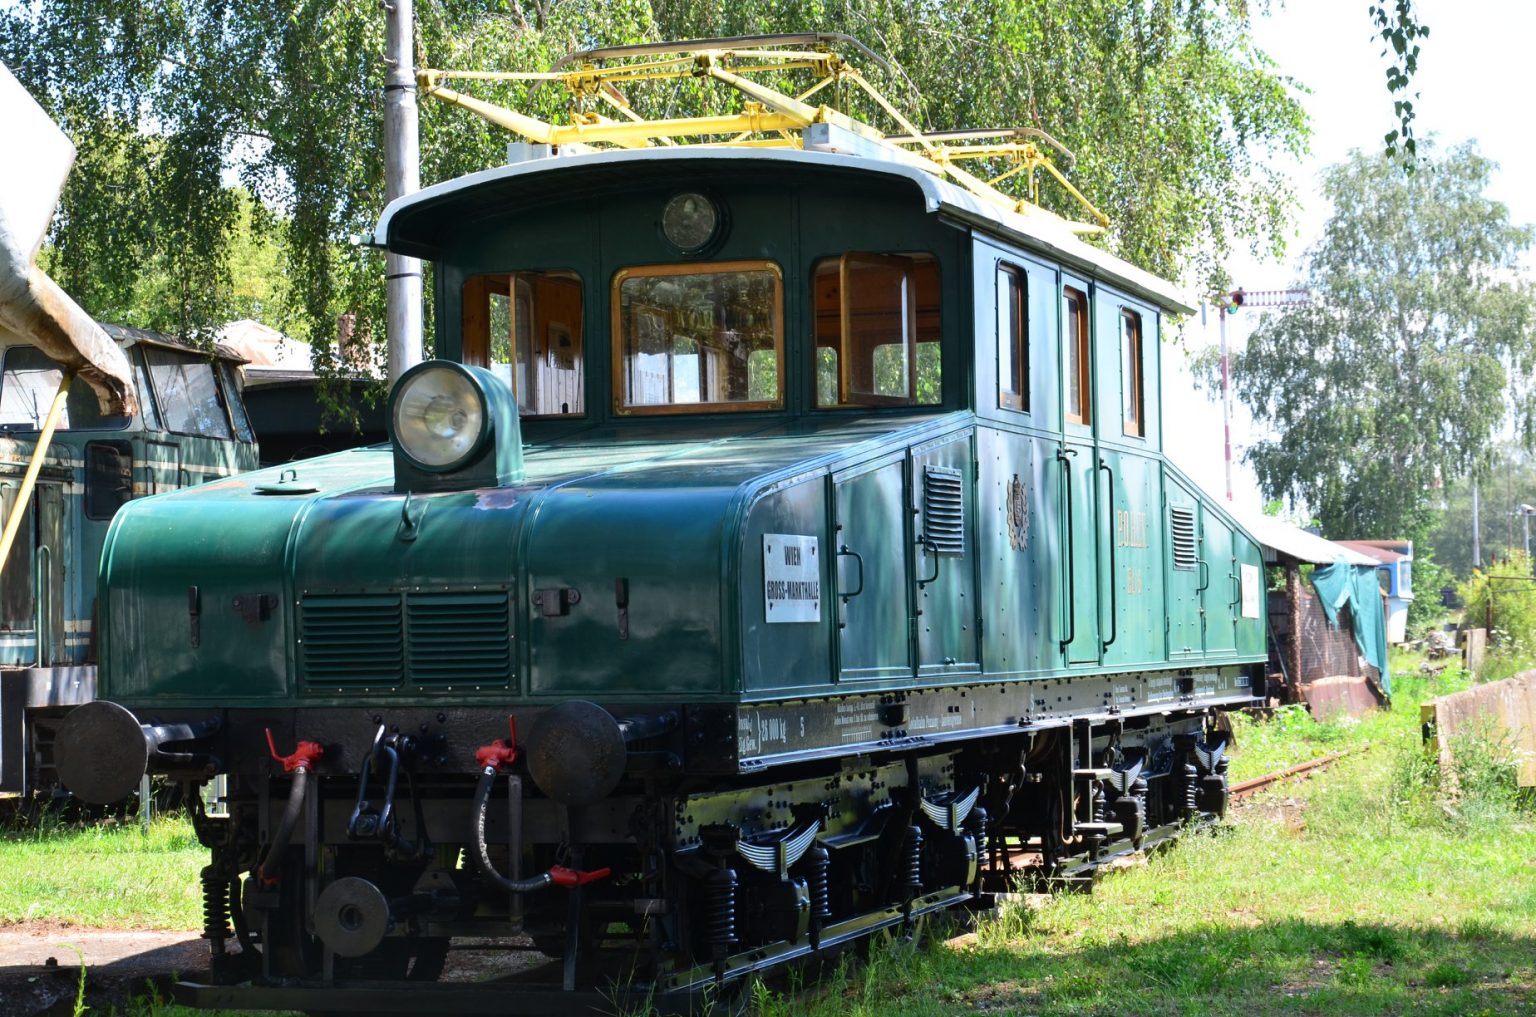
(1244, 788)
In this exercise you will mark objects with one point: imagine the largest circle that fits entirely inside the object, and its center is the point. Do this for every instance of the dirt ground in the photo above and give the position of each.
(40, 965)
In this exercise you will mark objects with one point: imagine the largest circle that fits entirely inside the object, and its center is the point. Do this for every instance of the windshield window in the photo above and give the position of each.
(525, 327)
(877, 330)
(236, 400)
(30, 381)
(694, 337)
(189, 396)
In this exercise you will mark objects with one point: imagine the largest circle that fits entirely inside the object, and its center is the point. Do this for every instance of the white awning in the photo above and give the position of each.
(1294, 542)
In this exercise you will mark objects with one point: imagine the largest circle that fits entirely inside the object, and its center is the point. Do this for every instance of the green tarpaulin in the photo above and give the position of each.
(1356, 585)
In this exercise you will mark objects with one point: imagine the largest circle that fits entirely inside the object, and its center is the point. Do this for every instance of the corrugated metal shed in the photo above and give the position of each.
(1282, 541)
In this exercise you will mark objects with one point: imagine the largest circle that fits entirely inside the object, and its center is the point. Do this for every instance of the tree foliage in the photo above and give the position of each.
(1399, 30)
(1168, 105)
(1416, 347)
(1509, 482)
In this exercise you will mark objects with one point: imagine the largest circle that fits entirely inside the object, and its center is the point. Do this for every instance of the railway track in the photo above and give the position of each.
(1245, 788)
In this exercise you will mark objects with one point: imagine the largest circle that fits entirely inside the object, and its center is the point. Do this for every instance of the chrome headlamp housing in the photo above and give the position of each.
(453, 427)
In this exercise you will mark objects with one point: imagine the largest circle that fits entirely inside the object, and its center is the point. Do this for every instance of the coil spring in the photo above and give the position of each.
(978, 825)
(914, 851)
(819, 859)
(215, 905)
(1191, 789)
(1139, 794)
(721, 922)
(1099, 801)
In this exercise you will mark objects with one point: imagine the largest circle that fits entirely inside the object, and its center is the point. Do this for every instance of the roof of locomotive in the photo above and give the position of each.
(407, 224)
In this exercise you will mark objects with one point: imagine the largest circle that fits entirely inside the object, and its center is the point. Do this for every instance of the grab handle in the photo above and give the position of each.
(931, 548)
(1062, 455)
(847, 552)
(1114, 574)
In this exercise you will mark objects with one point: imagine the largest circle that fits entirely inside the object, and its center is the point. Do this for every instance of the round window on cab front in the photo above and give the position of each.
(692, 222)
(453, 427)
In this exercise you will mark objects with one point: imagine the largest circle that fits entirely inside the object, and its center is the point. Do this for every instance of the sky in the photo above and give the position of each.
(1473, 77)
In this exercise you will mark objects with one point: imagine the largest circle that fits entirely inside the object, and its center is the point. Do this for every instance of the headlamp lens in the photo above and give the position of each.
(439, 417)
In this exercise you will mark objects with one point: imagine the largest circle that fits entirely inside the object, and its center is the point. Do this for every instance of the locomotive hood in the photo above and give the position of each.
(317, 582)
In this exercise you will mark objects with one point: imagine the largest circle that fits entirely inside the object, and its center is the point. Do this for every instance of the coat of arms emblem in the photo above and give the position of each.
(1018, 514)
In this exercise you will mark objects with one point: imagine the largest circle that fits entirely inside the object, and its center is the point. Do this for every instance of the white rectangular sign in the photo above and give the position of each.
(791, 578)
(1251, 589)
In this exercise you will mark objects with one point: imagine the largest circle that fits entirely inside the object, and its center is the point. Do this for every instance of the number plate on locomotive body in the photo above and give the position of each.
(791, 578)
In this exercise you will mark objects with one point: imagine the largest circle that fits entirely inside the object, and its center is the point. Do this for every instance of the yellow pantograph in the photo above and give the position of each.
(766, 117)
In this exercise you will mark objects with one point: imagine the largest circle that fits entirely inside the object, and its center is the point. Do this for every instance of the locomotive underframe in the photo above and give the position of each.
(722, 864)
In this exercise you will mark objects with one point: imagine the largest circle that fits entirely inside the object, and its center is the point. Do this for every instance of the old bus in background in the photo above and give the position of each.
(191, 428)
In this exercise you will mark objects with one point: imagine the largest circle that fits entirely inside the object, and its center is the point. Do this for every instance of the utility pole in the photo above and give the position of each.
(402, 175)
(1226, 392)
(1477, 530)
(1230, 304)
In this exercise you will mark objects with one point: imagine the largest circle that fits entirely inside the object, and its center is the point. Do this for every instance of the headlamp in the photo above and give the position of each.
(438, 416)
(454, 427)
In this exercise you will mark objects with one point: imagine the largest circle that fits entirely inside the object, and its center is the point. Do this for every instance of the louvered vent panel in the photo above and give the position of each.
(944, 510)
(459, 638)
(352, 641)
(1182, 523)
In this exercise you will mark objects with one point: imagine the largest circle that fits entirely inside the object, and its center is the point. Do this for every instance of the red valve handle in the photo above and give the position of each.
(304, 754)
(499, 754)
(562, 876)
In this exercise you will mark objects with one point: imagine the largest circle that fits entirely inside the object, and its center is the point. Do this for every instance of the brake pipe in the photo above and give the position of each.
(298, 762)
(491, 759)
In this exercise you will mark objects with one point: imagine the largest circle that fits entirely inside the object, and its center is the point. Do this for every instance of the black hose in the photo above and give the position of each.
(284, 834)
(482, 856)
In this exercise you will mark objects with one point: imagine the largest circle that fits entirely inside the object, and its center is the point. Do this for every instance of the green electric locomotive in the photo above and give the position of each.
(780, 549)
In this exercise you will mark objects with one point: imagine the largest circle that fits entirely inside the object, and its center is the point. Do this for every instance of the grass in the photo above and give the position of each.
(103, 876)
(1376, 886)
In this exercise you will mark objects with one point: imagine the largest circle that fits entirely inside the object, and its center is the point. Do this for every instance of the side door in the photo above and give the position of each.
(871, 540)
(1222, 596)
(159, 467)
(52, 559)
(1133, 537)
(1077, 460)
(944, 551)
(1186, 571)
(18, 590)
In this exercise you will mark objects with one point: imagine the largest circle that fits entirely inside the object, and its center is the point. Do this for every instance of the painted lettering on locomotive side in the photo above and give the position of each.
(1135, 581)
(1130, 528)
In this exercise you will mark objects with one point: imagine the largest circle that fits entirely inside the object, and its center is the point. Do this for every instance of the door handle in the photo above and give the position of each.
(1114, 573)
(1061, 457)
(933, 549)
(847, 552)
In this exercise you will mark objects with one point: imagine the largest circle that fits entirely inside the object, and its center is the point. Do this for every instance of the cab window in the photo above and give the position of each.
(188, 392)
(1012, 340)
(698, 337)
(526, 328)
(27, 389)
(1130, 373)
(1075, 339)
(877, 330)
